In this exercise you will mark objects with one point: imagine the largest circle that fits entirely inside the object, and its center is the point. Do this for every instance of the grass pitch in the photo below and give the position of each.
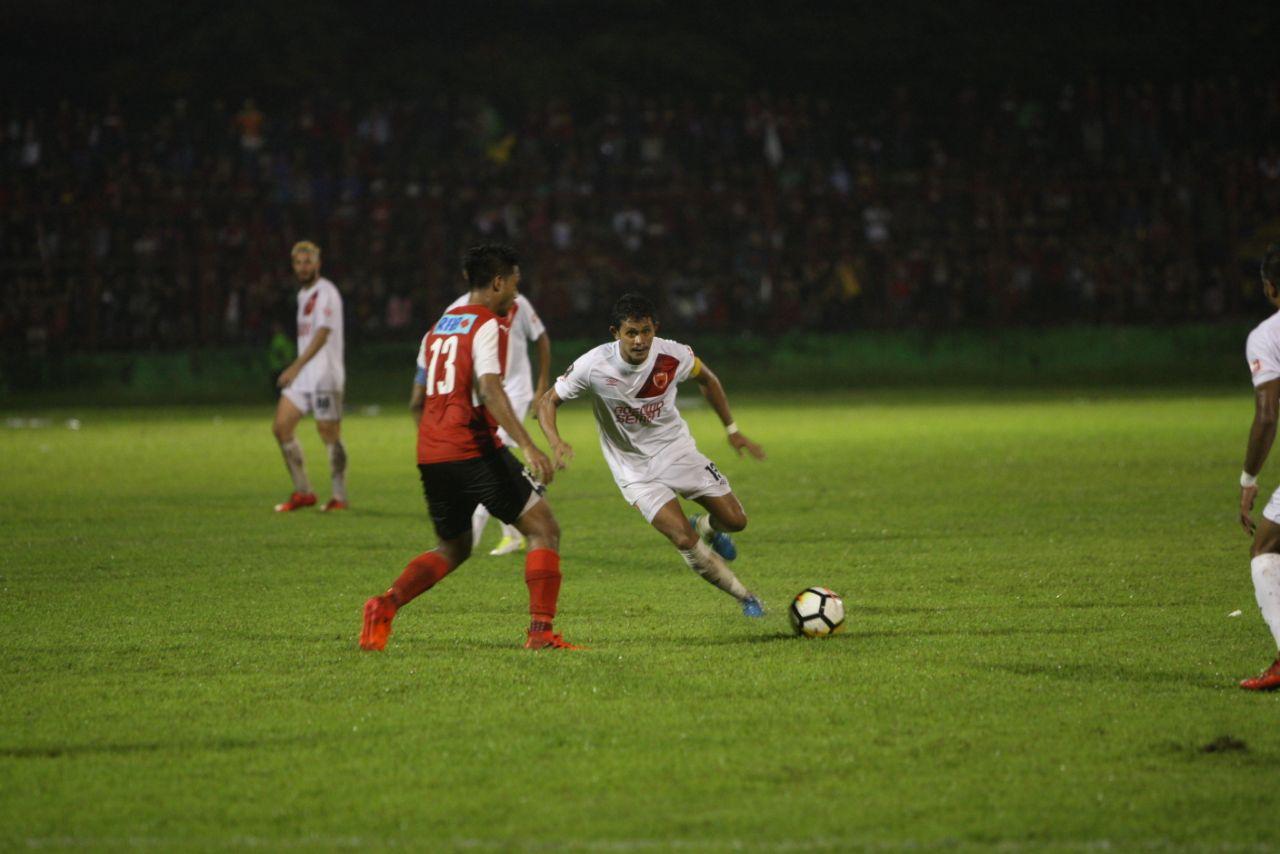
(1040, 651)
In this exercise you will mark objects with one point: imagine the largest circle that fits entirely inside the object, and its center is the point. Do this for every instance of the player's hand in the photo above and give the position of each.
(539, 466)
(287, 376)
(741, 443)
(1247, 496)
(562, 452)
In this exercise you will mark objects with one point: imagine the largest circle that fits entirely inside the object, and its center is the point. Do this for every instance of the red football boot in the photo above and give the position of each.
(1268, 680)
(546, 640)
(333, 504)
(378, 613)
(296, 502)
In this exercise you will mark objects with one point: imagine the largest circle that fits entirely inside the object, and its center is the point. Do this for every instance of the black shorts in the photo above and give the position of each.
(453, 490)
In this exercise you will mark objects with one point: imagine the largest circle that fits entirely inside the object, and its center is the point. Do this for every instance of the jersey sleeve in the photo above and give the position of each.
(688, 362)
(328, 307)
(532, 323)
(484, 349)
(1260, 352)
(420, 377)
(576, 380)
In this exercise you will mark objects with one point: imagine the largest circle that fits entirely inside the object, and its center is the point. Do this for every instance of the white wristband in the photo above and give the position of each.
(1247, 479)
(731, 428)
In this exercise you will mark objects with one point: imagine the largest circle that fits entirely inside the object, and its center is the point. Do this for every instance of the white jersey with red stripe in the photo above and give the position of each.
(635, 406)
(320, 307)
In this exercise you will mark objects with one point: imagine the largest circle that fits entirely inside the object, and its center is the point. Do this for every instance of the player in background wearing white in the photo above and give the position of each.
(525, 326)
(314, 382)
(631, 382)
(1263, 353)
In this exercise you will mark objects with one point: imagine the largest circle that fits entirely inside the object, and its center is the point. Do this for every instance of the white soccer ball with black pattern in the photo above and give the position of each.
(817, 612)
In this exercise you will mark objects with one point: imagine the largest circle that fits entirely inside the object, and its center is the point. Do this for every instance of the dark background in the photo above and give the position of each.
(153, 49)
(137, 216)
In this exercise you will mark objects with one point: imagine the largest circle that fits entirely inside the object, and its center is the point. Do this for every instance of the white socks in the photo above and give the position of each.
(1266, 587)
(297, 467)
(479, 519)
(338, 470)
(711, 566)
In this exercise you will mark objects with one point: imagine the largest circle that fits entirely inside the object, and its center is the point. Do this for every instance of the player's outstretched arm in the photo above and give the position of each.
(561, 451)
(289, 374)
(711, 388)
(544, 366)
(1261, 436)
(499, 405)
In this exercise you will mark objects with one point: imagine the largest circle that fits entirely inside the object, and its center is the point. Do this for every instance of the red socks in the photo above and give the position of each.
(542, 575)
(422, 573)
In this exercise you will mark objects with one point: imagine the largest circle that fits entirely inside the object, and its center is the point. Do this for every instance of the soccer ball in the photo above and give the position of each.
(817, 612)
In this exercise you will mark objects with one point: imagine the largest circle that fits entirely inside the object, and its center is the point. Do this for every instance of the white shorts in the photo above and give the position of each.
(327, 405)
(1272, 510)
(519, 405)
(690, 475)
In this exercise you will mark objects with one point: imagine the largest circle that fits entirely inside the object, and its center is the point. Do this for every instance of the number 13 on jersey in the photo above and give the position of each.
(448, 347)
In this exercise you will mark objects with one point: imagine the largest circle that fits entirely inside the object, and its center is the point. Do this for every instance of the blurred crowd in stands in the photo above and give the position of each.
(125, 227)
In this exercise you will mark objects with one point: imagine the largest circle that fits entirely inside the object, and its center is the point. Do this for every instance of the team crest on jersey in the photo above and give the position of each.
(455, 324)
(664, 369)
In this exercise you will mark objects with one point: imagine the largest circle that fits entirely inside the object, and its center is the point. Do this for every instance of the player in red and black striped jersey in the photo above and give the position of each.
(461, 460)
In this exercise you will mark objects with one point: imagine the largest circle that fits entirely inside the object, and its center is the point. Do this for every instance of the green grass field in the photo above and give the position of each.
(1040, 651)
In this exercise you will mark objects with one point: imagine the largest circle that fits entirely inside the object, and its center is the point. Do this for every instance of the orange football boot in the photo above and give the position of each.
(296, 502)
(546, 640)
(333, 504)
(1268, 680)
(378, 613)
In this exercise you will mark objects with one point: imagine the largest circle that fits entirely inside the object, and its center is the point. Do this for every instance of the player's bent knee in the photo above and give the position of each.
(683, 540)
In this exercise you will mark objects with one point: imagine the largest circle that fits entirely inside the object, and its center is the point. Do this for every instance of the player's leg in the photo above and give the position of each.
(511, 540)
(669, 520)
(1265, 566)
(443, 485)
(513, 498)
(289, 412)
(724, 516)
(329, 426)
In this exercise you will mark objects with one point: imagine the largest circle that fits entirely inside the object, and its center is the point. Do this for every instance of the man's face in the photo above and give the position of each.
(306, 267)
(636, 337)
(508, 289)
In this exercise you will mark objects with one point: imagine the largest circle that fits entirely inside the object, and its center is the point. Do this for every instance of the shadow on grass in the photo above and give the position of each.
(60, 751)
(1077, 672)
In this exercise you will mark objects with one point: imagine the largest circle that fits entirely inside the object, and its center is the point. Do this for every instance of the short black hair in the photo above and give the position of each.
(632, 307)
(481, 263)
(1271, 265)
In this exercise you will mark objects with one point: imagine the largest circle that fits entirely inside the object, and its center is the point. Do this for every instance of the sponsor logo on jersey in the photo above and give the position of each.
(1255, 366)
(455, 324)
(612, 382)
(646, 414)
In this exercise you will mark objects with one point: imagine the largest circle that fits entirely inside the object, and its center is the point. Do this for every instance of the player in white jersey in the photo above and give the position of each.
(1263, 354)
(631, 382)
(314, 382)
(522, 325)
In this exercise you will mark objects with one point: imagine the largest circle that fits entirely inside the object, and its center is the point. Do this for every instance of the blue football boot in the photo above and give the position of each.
(720, 542)
(752, 606)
